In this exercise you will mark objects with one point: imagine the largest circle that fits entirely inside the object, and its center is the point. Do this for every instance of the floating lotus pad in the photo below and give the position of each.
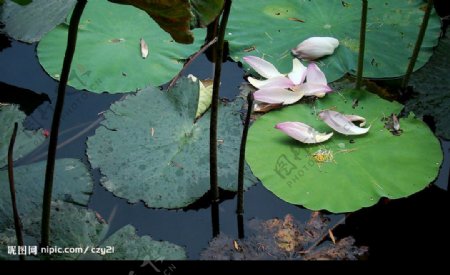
(26, 141)
(151, 148)
(107, 57)
(432, 86)
(29, 23)
(357, 170)
(392, 30)
(71, 224)
(73, 183)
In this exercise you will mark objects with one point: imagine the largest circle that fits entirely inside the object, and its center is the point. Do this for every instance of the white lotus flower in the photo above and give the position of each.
(315, 47)
(290, 88)
(343, 124)
(302, 132)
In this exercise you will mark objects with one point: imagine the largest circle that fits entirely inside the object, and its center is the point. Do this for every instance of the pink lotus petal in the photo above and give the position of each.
(277, 95)
(354, 118)
(262, 67)
(298, 73)
(315, 75)
(314, 89)
(341, 124)
(274, 82)
(315, 47)
(302, 132)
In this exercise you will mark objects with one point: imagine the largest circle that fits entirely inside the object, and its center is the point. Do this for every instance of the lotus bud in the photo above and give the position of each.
(315, 47)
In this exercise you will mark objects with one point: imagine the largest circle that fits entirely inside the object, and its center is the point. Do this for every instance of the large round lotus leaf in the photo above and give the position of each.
(432, 87)
(108, 56)
(72, 183)
(71, 225)
(143, 248)
(392, 30)
(364, 168)
(151, 148)
(78, 227)
(29, 23)
(26, 141)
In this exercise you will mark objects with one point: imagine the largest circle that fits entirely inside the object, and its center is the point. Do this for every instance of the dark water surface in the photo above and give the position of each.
(414, 227)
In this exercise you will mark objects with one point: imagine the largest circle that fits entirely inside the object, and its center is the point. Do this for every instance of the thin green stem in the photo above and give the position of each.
(50, 169)
(240, 200)
(215, 103)
(12, 189)
(416, 51)
(362, 45)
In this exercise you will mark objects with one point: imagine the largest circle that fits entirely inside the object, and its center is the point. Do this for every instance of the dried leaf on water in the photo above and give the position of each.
(283, 239)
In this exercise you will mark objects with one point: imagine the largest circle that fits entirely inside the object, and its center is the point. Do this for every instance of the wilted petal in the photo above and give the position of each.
(298, 73)
(277, 95)
(262, 67)
(315, 75)
(315, 47)
(275, 82)
(314, 89)
(261, 107)
(302, 132)
(340, 123)
(144, 48)
(354, 118)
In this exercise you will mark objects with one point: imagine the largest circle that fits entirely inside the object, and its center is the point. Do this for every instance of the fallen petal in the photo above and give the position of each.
(354, 118)
(298, 74)
(341, 124)
(395, 122)
(315, 75)
(275, 82)
(315, 47)
(302, 132)
(144, 48)
(262, 67)
(261, 107)
(313, 89)
(277, 95)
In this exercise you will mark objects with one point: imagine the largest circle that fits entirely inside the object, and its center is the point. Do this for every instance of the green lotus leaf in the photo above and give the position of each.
(108, 58)
(177, 17)
(72, 225)
(432, 87)
(26, 141)
(143, 248)
(358, 170)
(73, 184)
(151, 148)
(29, 23)
(392, 30)
(77, 227)
(20, 2)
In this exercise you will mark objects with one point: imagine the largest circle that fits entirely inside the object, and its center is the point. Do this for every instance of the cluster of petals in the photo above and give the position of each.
(289, 88)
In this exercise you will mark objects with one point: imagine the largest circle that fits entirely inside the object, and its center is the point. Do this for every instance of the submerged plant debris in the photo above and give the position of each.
(284, 239)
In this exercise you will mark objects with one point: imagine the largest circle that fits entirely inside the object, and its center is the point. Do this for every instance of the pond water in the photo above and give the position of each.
(410, 227)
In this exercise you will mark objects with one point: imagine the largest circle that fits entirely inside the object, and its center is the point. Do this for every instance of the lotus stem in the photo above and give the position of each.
(193, 57)
(240, 199)
(215, 218)
(416, 51)
(362, 45)
(12, 189)
(240, 222)
(215, 103)
(50, 169)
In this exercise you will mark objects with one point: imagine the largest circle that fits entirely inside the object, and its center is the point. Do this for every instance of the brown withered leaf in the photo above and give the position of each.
(178, 17)
(284, 239)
